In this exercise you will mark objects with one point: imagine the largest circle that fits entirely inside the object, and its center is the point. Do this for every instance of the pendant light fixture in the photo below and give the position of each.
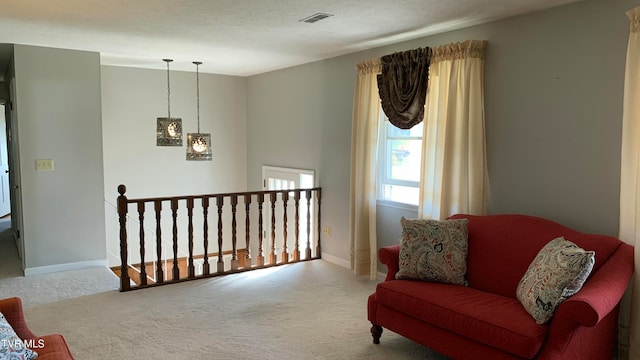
(198, 144)
(169, 130)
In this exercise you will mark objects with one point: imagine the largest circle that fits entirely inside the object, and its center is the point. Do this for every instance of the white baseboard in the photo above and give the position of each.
(65, 267)
(380, 276)
(336, 260)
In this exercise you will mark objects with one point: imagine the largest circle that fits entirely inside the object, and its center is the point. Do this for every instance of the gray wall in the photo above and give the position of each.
(296, 118)
(59, 118)
(554, 113)
(132, 99)
(553, 107)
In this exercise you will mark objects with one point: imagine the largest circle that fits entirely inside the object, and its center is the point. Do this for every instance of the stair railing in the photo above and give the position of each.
(304, 203)
(136, 266)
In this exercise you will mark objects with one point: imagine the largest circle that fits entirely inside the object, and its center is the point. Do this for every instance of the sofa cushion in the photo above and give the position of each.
(11, 346)
(433, 250)
(501, 248)
(490, 319)
(557, 272)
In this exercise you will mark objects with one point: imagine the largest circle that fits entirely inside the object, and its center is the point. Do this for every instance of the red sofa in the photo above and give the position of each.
(52, 347)
(485, 320)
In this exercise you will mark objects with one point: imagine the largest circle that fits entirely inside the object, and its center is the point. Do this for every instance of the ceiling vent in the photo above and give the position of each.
(315, 17)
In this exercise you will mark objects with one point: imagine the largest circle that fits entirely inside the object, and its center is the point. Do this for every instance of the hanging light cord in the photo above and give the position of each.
(168, 88)
(198, 63)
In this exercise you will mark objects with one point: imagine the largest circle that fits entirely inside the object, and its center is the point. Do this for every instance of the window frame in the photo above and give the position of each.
(384, 166)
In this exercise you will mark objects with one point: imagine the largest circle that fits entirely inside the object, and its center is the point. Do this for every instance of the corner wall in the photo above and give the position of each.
(59, 117)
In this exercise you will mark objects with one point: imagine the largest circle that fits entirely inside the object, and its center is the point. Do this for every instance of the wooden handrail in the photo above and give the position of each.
(277, 200)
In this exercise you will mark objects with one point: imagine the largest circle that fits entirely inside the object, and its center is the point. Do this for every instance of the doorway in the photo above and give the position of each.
(11, 261)
(280, 178)
(5, 197)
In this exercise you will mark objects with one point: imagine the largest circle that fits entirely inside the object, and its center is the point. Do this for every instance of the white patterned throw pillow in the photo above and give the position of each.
(11, 346)
(434, 250)
(557, 272)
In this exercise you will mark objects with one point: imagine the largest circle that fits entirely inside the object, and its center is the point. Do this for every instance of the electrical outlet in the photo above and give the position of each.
(326, 230)
(44, 165)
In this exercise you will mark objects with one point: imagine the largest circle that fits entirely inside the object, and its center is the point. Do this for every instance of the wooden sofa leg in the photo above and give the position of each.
(376, 332)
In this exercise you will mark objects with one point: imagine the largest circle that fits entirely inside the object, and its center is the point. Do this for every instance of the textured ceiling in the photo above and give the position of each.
(238, 37)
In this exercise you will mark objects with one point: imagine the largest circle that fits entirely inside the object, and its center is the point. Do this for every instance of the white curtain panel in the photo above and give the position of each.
(364, 150)
(629, 331)
(454, 177)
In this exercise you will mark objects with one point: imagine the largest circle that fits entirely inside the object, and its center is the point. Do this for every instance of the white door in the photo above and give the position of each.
(278, 178)
(14, 175)
(5, 199)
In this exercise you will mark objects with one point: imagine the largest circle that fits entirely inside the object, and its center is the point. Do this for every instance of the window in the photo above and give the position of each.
(400, 153)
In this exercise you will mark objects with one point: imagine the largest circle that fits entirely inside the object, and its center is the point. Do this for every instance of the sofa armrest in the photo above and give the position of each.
(390, 256)
(601, 293)
(11, 308)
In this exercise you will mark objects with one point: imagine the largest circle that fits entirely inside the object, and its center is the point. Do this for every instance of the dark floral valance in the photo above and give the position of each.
(402, 86)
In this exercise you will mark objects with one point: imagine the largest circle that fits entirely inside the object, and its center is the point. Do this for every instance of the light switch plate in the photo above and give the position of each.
(326, 230)
(44, 165)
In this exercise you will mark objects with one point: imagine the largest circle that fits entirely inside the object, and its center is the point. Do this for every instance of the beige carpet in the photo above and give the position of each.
(311, 310)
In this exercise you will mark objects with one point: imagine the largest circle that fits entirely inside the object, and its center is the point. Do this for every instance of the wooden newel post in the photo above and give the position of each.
(122, 215)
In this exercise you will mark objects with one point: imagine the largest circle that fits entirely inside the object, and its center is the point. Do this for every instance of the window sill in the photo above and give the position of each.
(397, 205)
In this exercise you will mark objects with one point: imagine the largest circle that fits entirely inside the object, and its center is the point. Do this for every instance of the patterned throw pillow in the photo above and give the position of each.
(434, 250)
(11, 347)
(557, 272)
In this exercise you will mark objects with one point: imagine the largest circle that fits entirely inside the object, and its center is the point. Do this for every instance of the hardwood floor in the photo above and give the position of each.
(183, 264)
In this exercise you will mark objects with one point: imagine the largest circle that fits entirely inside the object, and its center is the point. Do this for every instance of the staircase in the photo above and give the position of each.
(135, 270)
